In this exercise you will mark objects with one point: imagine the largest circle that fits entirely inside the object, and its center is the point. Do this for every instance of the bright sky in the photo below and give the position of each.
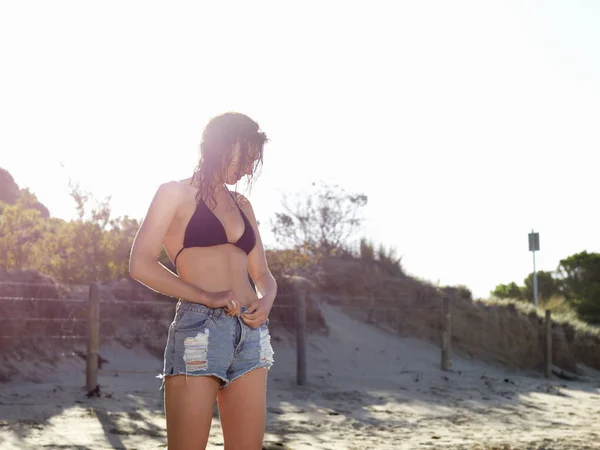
(467, 124)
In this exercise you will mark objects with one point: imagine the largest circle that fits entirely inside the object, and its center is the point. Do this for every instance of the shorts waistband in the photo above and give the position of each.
(183, 305)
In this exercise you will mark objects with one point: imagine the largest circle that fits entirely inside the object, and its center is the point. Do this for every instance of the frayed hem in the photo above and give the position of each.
(162, 377)
(259, 366)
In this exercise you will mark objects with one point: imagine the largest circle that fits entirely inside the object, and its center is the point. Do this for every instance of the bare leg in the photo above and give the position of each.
(189, 410)
(242, 408)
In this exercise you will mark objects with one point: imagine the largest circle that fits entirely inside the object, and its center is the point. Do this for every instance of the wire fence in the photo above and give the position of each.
(88, 320)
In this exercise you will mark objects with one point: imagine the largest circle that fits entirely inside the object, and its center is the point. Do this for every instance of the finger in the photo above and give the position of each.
(256, 320)
(251, 323)
(252, 315)
(238, 308)
(252, 308)
(226, 299)
(233, 307)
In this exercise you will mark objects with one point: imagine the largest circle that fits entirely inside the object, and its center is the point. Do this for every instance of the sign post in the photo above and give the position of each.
(534, 244)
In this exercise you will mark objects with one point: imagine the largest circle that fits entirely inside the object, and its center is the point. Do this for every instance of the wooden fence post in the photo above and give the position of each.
(446, 333)
(548, 342)
(301, 336)
(93, 341)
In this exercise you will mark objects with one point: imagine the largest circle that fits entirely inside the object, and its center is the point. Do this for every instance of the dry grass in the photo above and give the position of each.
(510, 333)
(562, 312)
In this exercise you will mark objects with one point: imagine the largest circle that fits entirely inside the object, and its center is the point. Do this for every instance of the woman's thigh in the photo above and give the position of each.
(189, 407)
(242, 409)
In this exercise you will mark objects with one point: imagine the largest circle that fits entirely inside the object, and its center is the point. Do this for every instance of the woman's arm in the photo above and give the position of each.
(259, 271)
(147, 245)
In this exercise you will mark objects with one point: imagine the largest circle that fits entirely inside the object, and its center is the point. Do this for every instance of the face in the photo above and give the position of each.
(236, 171)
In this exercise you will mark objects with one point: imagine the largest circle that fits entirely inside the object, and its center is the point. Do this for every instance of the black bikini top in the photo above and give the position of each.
(205, 230)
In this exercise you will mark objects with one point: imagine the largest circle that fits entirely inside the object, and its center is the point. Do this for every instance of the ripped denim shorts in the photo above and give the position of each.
(205, 341)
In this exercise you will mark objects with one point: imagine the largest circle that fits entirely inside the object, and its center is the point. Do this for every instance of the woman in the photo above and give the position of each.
(218, 347)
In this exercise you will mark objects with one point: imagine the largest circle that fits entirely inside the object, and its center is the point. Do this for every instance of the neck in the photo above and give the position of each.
(218, 186)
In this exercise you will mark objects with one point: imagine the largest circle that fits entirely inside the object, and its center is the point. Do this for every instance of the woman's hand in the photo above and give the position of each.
(224, 299)
(256, 313)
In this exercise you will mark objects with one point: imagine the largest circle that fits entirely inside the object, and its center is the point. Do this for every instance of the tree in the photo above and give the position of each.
(577, 279)
(20, 229)
(29, 200)
(92, 248)
(579, 276)
(548, 286)
(119, 240)
(510, 290)
(8, 188)
(319, 223)
(11, 194)
(56, 255)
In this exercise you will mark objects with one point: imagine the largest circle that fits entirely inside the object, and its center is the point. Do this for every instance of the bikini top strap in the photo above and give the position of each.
(234, 200)
(175, 260)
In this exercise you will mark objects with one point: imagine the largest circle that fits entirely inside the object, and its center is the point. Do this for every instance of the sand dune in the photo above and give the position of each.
(368, 389)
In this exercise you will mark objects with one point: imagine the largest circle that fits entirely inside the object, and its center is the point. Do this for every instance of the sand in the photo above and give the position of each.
(367, 389)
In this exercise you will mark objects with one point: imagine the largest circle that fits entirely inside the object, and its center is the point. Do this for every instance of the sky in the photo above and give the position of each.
(468, 124)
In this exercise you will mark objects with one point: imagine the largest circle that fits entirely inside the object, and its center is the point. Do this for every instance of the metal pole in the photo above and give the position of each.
(535, 284)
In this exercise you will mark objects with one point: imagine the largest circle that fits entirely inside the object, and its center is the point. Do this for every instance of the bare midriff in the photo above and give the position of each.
(219, 268)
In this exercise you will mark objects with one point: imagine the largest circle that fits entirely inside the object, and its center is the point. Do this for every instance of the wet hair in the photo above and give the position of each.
(219, 139)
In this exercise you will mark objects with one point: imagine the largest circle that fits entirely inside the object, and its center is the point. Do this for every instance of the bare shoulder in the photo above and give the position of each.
(164, 207)
(242, 201)
(245, 205)
(171, 190)
(169, 197)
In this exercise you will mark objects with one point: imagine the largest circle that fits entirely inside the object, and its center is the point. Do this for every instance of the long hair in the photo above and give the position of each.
(219, 138)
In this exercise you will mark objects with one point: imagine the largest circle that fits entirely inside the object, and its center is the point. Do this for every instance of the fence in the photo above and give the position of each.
(83, 323)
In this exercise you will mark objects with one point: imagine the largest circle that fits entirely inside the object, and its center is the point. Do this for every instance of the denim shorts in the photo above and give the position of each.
(205, 341)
